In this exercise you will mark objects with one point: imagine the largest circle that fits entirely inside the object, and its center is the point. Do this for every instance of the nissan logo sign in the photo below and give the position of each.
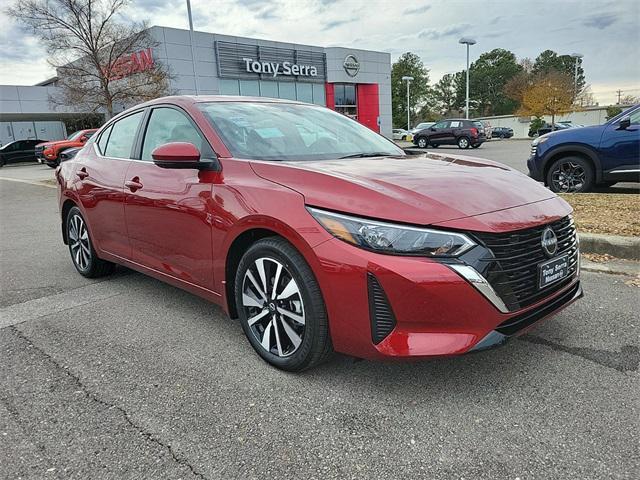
(549, 242)
(351, 65)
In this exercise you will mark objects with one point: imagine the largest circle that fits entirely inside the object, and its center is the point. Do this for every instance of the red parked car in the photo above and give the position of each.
(316, 232)
(49, 152)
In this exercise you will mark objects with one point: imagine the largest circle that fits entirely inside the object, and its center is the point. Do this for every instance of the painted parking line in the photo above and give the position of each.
(29, 182)
(43, 306)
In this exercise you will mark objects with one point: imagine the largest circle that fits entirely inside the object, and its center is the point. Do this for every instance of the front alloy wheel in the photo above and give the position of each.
(273, 306)
(570, 175)
(280, 306)
(422, 142)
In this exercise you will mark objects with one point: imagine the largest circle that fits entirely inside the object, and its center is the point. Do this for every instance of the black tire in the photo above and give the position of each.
(314, 342)
(463, 142)
(93, 266)
(434, 145)
(477, 145)
(52, 165)
(570, 175)
(422, 142)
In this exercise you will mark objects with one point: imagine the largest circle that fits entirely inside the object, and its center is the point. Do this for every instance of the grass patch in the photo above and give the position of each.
(606, 213)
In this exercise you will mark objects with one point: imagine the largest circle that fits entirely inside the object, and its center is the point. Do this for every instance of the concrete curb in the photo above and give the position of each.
(614, 245)
(616, 267)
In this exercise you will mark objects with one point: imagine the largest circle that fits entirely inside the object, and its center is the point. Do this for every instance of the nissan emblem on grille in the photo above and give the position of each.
(549, 242)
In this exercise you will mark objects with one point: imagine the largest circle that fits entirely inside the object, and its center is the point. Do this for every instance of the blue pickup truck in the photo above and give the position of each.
(577, 159)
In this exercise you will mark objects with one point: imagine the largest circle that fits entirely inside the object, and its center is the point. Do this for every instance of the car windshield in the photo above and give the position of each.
(75, 135)
(288, 131)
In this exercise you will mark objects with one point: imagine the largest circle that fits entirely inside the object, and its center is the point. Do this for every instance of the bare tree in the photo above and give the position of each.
(100, 62)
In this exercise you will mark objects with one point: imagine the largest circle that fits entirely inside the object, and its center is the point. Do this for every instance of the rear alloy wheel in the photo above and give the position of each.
(82, 252)
(570, 175)
(280, 306)
(463, 142)
(422, 142)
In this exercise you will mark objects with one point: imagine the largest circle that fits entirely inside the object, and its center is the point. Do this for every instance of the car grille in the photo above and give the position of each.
(513, 272)
(38, 151)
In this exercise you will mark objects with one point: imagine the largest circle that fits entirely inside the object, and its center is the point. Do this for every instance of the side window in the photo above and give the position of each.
(102, 141)
(123, 134)
(440, 125)
(635, 117)
(456, 124)
(170, 125)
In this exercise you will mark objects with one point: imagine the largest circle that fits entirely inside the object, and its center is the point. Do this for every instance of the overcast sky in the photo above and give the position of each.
(606, 32)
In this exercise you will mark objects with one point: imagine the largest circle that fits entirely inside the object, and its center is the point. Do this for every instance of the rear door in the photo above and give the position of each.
(166, 210)
(101, 169)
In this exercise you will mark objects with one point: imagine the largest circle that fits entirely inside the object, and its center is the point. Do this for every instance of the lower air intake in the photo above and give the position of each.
(383, 320)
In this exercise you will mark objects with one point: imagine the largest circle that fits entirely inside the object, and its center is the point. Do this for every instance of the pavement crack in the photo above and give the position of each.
(94, 397)
(626, 360)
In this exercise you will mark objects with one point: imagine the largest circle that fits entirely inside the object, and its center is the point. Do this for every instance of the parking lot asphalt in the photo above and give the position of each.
(513, 153)
(129, 378)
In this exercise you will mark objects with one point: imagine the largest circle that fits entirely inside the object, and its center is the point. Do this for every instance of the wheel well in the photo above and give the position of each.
(240, 245)
(66, 206)
(560, 155)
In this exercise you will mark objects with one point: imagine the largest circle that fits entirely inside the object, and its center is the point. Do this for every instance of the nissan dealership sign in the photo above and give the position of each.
(247, 61)
(277, 68)
(351, 65)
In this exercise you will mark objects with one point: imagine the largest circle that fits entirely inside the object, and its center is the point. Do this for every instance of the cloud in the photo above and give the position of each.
(336, 23)
(600, 21)
(416, 10)
(434, 34)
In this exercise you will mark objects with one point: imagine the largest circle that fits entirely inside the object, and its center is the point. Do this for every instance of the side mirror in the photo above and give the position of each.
(83, 139)
(624, 123)
(178, 155)
(433, 129)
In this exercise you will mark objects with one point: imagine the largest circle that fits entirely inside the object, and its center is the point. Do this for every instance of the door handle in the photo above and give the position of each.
(82, 173)
(133, 184)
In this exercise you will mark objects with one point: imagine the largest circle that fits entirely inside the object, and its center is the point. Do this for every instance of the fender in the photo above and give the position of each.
(569, 148)
(263, 222)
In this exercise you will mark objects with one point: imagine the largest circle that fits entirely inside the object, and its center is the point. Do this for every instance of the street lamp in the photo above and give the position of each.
(408, 80)
(577, 56)
(193, 48)
(468, 42)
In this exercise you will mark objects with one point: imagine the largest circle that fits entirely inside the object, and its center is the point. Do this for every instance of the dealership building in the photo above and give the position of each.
(351, 81)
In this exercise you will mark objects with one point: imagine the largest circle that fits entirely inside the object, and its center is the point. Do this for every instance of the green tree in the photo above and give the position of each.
(549, 61)
(488, 77)
(410, 65)
(612, 111)
(444, 94)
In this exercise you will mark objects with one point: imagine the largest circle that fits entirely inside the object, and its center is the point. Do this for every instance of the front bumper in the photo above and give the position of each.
(535, 171)
(437, 312)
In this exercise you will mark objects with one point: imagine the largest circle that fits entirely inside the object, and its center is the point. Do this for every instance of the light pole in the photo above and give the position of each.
(468, 42)
(408, 80)
(193, 48)
(577, 56)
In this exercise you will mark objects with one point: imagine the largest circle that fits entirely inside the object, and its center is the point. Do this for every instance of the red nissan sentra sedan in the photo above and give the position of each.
(317, 233)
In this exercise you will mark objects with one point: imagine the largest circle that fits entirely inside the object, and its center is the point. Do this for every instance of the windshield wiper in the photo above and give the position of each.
(366, 155)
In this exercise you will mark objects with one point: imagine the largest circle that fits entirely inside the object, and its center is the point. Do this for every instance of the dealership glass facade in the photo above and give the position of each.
(301, 91)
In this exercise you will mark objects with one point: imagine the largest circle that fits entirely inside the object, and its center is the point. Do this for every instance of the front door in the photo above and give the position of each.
(620, 148)
(439, 132)
(166, 210)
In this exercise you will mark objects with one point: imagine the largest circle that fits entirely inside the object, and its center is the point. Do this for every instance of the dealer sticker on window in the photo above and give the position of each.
(553, 271)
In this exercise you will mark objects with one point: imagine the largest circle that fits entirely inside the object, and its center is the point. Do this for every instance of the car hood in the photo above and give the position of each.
(416, 189)
(60, 143)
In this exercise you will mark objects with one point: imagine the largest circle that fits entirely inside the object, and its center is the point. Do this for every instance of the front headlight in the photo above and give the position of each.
(537, 141)
(390, 238)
